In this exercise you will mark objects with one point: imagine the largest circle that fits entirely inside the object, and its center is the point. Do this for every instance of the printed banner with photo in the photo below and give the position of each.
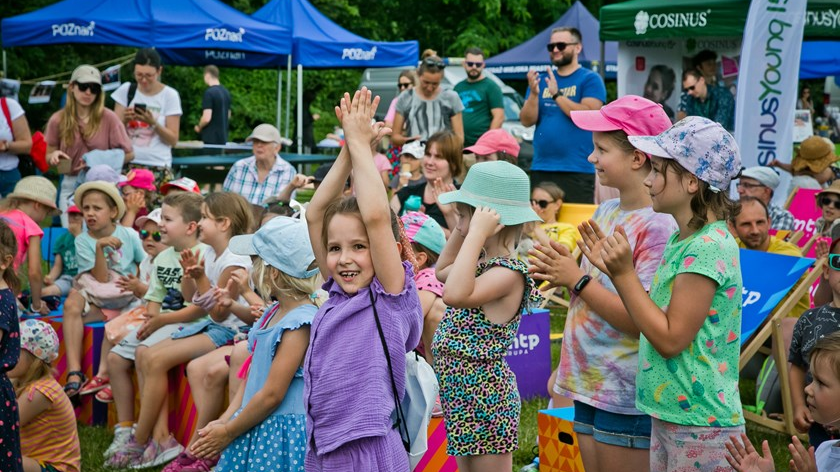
(41, 92)
(803, 127)
(111, 78)
(767, 279)
(653, 68)
(10, 89)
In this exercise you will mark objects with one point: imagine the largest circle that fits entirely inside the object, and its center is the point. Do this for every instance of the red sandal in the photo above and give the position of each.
(94, 385)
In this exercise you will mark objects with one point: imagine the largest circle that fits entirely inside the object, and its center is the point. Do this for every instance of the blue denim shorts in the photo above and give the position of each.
(220, 335)
(631, 431)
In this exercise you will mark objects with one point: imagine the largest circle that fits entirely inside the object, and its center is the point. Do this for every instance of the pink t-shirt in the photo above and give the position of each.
(382, 162)
(111, 135)
(24, 228)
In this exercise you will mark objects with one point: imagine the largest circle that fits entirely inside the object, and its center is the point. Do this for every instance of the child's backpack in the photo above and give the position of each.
(768, 390)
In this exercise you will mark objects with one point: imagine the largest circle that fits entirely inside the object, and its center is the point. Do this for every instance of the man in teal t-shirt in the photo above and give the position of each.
(482, 99)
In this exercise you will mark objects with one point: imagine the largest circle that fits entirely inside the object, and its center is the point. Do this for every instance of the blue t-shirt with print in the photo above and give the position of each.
(559, 145)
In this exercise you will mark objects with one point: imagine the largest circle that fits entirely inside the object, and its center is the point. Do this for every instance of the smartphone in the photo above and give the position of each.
(140, 106)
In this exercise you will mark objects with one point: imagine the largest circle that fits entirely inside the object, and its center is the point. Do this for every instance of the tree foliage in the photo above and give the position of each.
(447, 26)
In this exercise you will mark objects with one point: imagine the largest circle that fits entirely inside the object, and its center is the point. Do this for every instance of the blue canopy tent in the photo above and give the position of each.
(516, 62)
(320, 43)
(177, 24)
(819, 59)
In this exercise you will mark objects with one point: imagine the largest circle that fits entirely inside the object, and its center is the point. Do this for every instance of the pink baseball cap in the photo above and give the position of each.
(635, 115)
(140, 178)
(495, 140)
(73, 209)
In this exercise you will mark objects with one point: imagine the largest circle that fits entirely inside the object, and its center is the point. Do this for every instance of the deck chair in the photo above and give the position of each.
(795, 237)
(754, 333)
(48, 241)
(576, 213)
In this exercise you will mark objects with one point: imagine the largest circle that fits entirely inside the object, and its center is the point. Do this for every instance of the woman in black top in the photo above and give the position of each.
(442, 162)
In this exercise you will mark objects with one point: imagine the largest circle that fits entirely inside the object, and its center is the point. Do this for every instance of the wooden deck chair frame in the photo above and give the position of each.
(795, 237)
(790, 196)
(807, 247)
(772, 328)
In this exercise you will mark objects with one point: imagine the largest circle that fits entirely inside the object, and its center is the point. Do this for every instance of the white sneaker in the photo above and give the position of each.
(121, 435)
(159, 453)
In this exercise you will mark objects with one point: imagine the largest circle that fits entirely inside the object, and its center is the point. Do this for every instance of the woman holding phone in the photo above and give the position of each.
(83, 125)
(152, 116)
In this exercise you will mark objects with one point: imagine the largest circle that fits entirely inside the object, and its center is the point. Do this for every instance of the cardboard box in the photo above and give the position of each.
(559, 449)
(435, 459)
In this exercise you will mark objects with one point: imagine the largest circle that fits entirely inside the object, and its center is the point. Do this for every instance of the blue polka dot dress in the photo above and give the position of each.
(279, 442)
(10, 459)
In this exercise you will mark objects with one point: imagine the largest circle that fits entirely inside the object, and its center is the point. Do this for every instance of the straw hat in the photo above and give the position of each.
(105, 187)
(814, 154)
(834, 188)
(498, 185)
(38, 189)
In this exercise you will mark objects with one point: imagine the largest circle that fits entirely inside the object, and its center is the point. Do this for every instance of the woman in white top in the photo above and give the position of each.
(152, 116)
(15, 140)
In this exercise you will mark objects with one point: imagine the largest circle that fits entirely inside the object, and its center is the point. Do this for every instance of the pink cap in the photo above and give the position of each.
(495, 140)
(140, 178)
(74, 209)
(635, 115)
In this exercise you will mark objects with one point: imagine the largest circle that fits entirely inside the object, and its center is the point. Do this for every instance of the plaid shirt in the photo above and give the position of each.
(780, 219)
(243, 179)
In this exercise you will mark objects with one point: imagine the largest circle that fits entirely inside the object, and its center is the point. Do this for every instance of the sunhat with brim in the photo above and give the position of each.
(814, 154)
(38, 189)
(635, 115)
(702, 146)
(834, 189)
(283, 243)
(139, 178)
(499, 185)
(39, 339)
(105, 187)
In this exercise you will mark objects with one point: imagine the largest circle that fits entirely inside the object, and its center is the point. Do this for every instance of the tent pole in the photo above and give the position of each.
(300, 109)
(5, 74)
(288, 95)
(279, 95)
(603, 69)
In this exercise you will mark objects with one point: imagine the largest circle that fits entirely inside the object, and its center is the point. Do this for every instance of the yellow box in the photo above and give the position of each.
(559, 449)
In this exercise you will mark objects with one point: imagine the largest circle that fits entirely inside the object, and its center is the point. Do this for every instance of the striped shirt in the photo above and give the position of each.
(51, 437)
(244, 179)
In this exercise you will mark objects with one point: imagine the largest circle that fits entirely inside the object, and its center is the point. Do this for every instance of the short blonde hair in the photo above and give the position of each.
(269, 281)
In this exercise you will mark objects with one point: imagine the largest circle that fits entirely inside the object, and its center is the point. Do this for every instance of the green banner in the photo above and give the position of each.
(649, 19)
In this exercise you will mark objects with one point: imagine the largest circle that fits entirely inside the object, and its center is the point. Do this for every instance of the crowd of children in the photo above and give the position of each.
(280, 307)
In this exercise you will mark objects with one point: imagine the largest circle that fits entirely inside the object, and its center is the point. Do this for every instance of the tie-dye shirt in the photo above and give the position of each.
(699, 386)
(598, 363)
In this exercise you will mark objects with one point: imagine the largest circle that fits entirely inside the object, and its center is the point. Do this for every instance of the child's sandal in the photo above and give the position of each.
(94, 385)
(72, 388)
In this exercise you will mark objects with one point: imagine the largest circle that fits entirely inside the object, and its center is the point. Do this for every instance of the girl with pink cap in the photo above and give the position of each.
(137, 191)
(599, 356)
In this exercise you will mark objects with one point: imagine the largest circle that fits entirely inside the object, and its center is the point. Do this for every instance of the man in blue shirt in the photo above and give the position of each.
(709, 101)
(561, 148)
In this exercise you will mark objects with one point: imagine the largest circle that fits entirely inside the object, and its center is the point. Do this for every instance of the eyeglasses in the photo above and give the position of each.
(403, 85)
(542, 203)
(434, 63)
(477, 65)
(94, 88)
(559, 45)
(834, 261)
(144, 235)
(825, 201)
(747, 185)
(144, 76)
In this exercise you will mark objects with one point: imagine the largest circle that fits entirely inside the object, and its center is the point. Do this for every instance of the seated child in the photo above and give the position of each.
(60, 279)
(828, 200)
(138, 192)
(48, 437)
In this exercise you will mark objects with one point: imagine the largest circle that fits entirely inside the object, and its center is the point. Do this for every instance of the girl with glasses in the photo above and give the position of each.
(546, 200)
(83, 125)
(828, 201)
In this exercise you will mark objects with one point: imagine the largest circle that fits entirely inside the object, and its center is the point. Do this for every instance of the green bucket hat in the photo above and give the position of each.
(499, 185)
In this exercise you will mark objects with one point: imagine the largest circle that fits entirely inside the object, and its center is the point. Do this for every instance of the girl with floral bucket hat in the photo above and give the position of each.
(48, 436)
(690, 322)
(478, 391)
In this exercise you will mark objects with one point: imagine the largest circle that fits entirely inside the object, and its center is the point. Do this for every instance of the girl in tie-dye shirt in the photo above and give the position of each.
(691, 322)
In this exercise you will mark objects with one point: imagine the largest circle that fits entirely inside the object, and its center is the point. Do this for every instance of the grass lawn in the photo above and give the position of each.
(96, 439)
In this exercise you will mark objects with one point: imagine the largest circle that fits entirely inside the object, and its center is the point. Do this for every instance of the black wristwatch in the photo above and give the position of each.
(554, 97)
(579, 286)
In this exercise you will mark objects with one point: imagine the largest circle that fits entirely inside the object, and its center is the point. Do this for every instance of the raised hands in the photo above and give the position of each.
(534, 82)
(192, 266)
(744, 458)
(357, 114)
(612, 254)
(551, 82)
(554, 264)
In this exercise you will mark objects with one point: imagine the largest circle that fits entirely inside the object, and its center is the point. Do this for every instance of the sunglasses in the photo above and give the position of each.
(542, 203)
(825, 201)
(690, 89)
(403, 85)
(834, 261)
(435, 63)
(477, 65)
(144, 235)
(559, 45)
(94, 88)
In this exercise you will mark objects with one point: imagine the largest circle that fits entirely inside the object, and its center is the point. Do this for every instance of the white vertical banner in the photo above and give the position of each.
(768, 84)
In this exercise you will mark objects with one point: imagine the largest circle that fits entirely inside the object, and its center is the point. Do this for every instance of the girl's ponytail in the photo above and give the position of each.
(407, 253)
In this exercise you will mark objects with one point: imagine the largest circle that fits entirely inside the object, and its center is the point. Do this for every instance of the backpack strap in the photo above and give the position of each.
(401, 424)
(132, 90)
(8, 116)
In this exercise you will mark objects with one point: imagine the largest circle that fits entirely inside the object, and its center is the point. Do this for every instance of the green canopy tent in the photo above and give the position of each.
(653, 19)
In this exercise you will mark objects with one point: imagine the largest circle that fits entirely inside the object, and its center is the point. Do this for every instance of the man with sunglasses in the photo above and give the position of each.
(482, 98)
(709, 101)
(761, 182)
(561, 148)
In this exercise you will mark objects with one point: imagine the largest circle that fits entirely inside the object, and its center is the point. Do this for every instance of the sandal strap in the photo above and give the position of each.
(77, 373)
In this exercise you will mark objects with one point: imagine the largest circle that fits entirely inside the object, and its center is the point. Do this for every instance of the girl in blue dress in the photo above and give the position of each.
(10, 458)
(264, 426)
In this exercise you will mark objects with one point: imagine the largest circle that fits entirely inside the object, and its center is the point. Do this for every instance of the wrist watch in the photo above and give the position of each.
(557, 94)
(579, 286)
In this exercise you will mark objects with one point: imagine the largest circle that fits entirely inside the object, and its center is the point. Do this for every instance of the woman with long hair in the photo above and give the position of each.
(83, 125)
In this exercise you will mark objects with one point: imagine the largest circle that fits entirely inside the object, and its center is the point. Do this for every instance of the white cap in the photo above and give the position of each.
(265, 133)
(764, 175)
(154, 216)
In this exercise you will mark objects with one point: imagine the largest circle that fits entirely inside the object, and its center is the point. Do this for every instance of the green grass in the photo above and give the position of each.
(96, 439)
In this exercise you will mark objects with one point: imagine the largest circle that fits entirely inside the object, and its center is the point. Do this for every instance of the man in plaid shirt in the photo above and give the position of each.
(760, 182)
(263, 175)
